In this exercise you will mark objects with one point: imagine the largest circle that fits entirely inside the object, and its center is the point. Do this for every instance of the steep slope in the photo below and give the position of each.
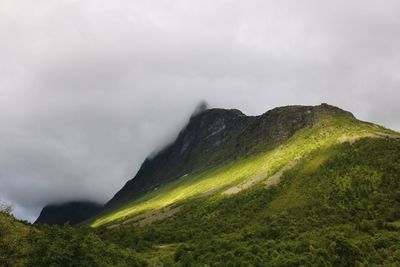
(215, 136)
(72, 212)
(224, 151)
(196, 147)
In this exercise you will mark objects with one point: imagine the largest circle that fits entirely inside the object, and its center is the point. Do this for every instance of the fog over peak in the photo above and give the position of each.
(90, 88)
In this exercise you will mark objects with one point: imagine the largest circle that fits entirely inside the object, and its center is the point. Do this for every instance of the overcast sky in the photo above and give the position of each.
(89, 88)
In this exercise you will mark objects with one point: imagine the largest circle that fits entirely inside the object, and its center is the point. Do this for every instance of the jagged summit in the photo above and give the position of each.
(215, 135)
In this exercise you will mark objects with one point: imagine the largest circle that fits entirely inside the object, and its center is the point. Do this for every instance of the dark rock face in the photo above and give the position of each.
(217, 135)
(72, 212)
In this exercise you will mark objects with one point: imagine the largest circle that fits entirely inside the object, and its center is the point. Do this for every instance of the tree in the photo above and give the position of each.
(6, 208)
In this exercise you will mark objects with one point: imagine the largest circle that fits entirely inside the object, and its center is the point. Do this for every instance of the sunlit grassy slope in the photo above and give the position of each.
(329, 131)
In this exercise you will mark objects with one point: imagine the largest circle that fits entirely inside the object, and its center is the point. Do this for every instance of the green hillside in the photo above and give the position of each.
(329, 196)
(342, 212)
(339, 206)
(328, 132)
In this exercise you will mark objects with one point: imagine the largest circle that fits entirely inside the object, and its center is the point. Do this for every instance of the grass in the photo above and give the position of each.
(327, 133)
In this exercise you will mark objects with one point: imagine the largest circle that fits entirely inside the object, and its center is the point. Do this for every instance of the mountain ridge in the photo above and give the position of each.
(215, 128)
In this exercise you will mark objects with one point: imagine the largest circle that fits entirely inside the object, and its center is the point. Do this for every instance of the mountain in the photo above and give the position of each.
(295, 186)
(224, 150)
(71, 212)
(214, 136)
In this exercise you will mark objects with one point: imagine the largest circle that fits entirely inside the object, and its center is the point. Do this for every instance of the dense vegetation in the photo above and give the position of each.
(22, 244)
(346, 212)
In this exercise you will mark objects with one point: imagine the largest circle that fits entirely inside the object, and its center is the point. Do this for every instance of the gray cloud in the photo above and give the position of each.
(90, 88)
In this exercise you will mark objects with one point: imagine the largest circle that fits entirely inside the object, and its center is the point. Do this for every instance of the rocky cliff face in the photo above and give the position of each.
(217, 135)
(72, 212)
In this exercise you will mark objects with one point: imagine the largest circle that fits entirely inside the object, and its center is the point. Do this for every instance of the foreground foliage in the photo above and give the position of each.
(22, 244)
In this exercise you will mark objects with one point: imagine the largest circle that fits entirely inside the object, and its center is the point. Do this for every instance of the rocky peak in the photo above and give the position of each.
(210, 127)
(213, 136)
